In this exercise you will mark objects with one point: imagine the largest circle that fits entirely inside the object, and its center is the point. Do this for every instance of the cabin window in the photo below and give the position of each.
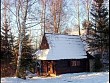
(75, 63)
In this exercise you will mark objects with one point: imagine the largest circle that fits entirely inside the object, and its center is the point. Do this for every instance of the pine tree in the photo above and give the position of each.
(7, 56)
(27, 51)
(5, 44)
(26, 62)
(100, 26)
(99, 39)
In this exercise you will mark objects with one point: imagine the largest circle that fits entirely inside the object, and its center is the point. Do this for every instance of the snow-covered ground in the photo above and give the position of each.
(99, 77)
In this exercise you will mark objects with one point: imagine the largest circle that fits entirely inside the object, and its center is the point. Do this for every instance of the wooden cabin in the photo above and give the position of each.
(60, 54)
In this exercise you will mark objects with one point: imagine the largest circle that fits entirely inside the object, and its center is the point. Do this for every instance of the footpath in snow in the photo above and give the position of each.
(99, 77)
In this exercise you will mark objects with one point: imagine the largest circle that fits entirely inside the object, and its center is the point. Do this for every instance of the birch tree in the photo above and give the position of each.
(43, 15)
(21, 27)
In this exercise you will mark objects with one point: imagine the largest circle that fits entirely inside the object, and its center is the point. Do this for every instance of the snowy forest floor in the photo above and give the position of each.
(93, 77)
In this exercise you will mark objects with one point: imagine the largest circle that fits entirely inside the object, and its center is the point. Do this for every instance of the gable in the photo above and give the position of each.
(44, 43)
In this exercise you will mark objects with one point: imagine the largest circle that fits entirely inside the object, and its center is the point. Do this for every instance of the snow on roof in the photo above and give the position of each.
(63, 47)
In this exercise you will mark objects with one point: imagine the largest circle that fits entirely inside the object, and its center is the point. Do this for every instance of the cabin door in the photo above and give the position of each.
(50, 68)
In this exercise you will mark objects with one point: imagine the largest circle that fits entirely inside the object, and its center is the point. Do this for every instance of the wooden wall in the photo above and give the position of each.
(72, 66)
(64, 66)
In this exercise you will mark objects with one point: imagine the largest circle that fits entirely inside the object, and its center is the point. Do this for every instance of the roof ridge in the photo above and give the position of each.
(61, 34)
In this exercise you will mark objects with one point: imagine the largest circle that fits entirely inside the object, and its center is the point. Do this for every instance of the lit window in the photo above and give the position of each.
(75, 63)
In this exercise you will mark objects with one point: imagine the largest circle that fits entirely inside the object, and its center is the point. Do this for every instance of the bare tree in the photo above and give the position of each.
(76, 13)
(52, 15)
(56, 14)
(78, 17)
(43, 15)
(87, 5)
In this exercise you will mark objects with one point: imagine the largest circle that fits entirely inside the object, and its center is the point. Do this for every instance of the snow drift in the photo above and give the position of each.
(99, 77)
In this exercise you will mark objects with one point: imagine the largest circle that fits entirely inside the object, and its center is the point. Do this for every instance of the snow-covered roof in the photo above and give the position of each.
(62, 47)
